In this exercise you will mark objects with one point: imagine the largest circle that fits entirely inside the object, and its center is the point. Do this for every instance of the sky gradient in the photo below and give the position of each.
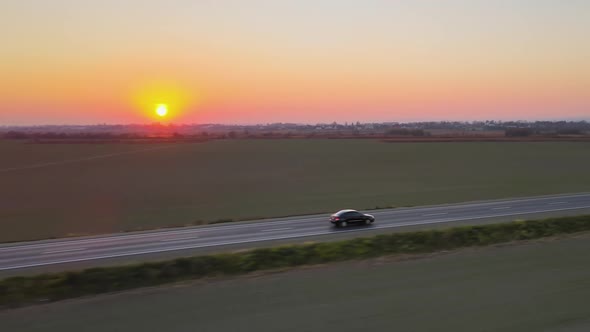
(221, 61)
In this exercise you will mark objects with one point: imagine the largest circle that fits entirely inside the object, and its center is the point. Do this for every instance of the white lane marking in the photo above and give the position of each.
(276, 229)
(435, 214)
(63, 250)
(280, 238)
(554, 203)
(194, 237)
(130, 237)
(502, 208)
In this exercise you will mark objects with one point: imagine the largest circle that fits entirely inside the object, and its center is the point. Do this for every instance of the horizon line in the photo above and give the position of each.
(289, 123)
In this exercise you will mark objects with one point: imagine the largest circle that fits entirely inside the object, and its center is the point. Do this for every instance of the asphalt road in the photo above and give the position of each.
(25, 255)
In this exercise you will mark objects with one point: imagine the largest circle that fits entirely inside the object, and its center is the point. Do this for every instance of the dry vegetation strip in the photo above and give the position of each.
(18, 291)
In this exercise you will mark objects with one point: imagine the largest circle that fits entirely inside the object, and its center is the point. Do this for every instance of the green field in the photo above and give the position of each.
(539, 286)
(236, 179)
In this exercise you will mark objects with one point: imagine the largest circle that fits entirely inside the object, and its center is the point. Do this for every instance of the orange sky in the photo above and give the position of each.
(293, 61)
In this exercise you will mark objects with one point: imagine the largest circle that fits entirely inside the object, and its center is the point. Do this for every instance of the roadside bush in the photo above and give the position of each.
(18, 291)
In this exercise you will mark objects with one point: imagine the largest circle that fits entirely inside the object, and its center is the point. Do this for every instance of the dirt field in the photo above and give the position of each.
(537, 286)
(52, 190)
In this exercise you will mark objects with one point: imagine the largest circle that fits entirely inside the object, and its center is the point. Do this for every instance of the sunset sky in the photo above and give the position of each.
(255, 61)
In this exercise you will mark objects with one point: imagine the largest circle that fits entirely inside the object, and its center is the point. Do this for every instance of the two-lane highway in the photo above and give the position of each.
(52, 252)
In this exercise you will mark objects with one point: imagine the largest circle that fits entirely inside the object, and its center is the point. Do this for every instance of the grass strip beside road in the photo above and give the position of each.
(19, 291)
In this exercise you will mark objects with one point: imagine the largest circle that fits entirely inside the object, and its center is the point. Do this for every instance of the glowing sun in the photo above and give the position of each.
(162, 110)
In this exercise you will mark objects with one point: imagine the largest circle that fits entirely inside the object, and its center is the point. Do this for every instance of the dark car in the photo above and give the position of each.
(343, 218)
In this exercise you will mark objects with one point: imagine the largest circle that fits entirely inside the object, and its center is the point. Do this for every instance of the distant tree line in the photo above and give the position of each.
(406, 132)
(290, 130)
(54, 135)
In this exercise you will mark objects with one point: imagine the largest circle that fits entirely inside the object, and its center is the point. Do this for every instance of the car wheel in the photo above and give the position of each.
(368, 221)
(343, 224)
